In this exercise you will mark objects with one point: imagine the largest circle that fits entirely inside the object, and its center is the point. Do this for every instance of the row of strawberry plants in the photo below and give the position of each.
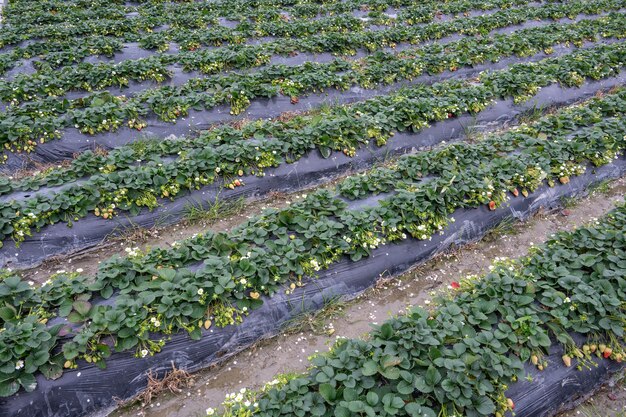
(139, 27)
(190, 41)
(23, 24)
(335, 128)
(347, 43)
(411, 169)
(180, 19)
(16, 17)
(460, 355)
(57, 11)
(136, 187)
(157, 294)
(41, 121)
(561, 125)
(468, 51)
(62, 52)
(38, 13)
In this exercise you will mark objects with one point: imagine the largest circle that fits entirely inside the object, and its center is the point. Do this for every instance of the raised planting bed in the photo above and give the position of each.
(228, 290)
(483, 347)
(44, 119)
(196, 25)
(433, 120)
(229, 162)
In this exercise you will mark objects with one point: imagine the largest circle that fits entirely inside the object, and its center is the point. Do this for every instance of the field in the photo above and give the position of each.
(181, 181)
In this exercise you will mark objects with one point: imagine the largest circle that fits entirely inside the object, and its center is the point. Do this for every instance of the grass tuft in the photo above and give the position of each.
(217, 210)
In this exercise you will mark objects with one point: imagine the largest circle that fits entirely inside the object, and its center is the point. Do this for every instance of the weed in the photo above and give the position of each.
(134, 232)
(569, 201)
(533, 114)
(218, 209)
(506, 227)
(317, 321)
(601, 187)
(471, 131)
(141, 145)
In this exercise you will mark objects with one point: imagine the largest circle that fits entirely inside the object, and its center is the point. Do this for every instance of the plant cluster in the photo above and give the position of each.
(433, 59)
(192, 24)
(52, 54)
(141, 186)
(42, 120)
(156, 294)
(459, 356)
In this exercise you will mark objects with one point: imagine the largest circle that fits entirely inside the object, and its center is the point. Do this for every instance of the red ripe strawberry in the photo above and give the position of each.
(492, 205)
(607, 353)
(455, 285)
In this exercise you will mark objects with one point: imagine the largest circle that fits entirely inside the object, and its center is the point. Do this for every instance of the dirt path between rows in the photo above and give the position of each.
(288, 352)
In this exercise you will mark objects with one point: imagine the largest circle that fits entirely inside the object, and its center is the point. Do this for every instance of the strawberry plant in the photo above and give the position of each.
(144, 185)
(172, 103)
(155, 292)
(459, 356)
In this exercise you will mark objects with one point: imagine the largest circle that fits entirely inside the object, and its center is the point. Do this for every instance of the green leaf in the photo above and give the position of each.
(448, 385)
(369, 368)
(28, 381)
(485, 406)
(541, 339)
(325, 151)
(82, 307)
(65, 308)
(318, 409)
(74, 317)
(196, 334)
(372, 398)
(421, 385)
(356, 406)
(328, 392)
(321, 377)
(106, 292)
(432, 376)
(70, 350)
(41, 357)
(8, 388)
(390, 373)
(342, 412)
(167, 274)
(51, 371)
(386, 331)
(7, 313)
(416, 410)
(350, 394)
(405, 388)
